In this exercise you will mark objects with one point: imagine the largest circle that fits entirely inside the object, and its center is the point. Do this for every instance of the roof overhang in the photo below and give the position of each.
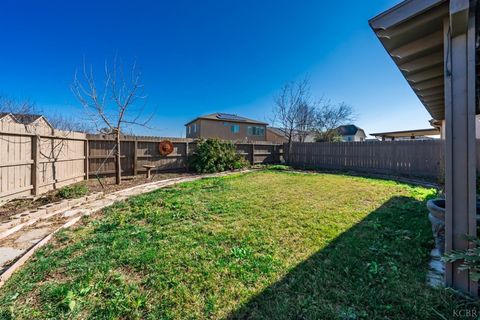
(413, 35)
(408, 133)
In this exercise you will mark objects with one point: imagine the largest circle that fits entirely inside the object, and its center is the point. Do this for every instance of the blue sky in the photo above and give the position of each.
(200, 57)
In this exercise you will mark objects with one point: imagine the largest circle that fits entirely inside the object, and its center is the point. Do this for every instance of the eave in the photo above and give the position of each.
(412, 34)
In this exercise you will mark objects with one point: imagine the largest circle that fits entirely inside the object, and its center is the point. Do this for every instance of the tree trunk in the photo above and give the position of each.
(118, 164)
(289, 147)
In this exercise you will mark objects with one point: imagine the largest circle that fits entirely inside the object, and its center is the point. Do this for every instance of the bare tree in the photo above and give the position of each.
(329, 118)
(11, 105)
(65, 123)
(294, 112)
(306, 120)
(112, 107)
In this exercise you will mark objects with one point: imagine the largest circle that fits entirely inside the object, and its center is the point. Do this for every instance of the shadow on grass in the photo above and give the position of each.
(374, 270)
(425, 181)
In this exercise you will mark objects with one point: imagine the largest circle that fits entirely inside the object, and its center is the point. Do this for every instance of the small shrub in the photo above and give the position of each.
(469, 258)
(214, 155)
(73, 191)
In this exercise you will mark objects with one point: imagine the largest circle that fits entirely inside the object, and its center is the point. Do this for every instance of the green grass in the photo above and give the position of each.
(73, 191)
(271, 245)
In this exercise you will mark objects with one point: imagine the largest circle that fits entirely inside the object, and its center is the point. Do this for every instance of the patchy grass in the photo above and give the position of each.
(271, 245)
(73, 191)
(278, 167)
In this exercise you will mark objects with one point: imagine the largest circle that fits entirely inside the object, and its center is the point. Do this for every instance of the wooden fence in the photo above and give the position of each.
(35, 159)
(399, 158)
(137, 151)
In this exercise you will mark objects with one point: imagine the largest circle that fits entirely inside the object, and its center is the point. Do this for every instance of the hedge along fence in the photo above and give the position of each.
(137, 151)
(415, 158)
(36, 158)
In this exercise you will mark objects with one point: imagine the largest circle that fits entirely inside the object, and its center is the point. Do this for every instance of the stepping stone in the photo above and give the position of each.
(71, 213)
(435, 280)
(437, 266)
(32, 236)
(7, 254)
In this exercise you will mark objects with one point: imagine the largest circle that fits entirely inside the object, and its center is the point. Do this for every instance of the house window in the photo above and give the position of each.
(194, 127)
(256, 131)
(235, 128)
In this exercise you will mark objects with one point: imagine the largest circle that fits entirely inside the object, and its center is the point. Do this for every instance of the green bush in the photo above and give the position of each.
(469, 258)
(214, 155)
(73, 191)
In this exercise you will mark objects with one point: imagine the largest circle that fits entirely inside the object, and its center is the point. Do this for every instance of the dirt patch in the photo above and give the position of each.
(16, 206)
(107, 185)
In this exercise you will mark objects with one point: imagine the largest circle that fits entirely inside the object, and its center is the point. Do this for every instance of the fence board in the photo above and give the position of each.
(405, 158)
(101, 156)
(24, 171)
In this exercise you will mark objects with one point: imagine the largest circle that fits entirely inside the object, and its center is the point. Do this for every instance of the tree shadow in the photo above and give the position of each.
(376, 269)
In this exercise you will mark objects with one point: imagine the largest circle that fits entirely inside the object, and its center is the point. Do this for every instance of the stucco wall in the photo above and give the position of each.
(217, 129)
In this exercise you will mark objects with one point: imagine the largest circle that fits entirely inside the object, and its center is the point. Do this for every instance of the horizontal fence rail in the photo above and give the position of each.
(137, 151)
(36, 158)
(420, 158)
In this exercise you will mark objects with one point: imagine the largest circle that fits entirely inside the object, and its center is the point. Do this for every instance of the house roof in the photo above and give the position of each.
(412, 33)
(218, 116)
(276, 131)
(408, 133)
(281, 132)
(23, 118)
(349, 130)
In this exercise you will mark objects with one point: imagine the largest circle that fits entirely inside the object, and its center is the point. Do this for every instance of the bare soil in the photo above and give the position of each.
(106, 185)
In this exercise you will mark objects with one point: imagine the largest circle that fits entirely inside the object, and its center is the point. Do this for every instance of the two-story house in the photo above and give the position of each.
(227, 127)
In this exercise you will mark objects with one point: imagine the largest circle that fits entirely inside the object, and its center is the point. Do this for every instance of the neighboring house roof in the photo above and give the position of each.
(408, 133)
(276, 131)
(226, 117)
(281, 132)
(349, 130)
(24, 118)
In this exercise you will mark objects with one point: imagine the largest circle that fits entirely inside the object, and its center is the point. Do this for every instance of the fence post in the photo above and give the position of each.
(85, 151)
(135, 156)
(186, 154)
(35, 170)
(253, 154)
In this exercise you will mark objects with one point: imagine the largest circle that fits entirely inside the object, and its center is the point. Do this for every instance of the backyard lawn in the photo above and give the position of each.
(267, 244)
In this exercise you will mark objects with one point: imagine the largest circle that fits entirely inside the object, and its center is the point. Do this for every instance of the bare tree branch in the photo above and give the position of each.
(112, 106)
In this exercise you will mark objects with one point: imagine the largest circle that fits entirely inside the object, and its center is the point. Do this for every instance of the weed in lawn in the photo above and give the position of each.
(73, 191)
(264, 245)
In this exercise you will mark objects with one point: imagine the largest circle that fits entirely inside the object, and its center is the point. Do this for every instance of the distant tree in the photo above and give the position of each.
(329, 118)
(65, 123)
(58, 121)
(114, 106)
(11, 105)
(294, 112)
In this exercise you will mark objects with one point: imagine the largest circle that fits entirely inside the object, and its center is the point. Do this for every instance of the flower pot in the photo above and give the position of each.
(436, 216)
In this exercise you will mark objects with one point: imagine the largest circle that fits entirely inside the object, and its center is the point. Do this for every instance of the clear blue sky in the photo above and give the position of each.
(200, 57)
